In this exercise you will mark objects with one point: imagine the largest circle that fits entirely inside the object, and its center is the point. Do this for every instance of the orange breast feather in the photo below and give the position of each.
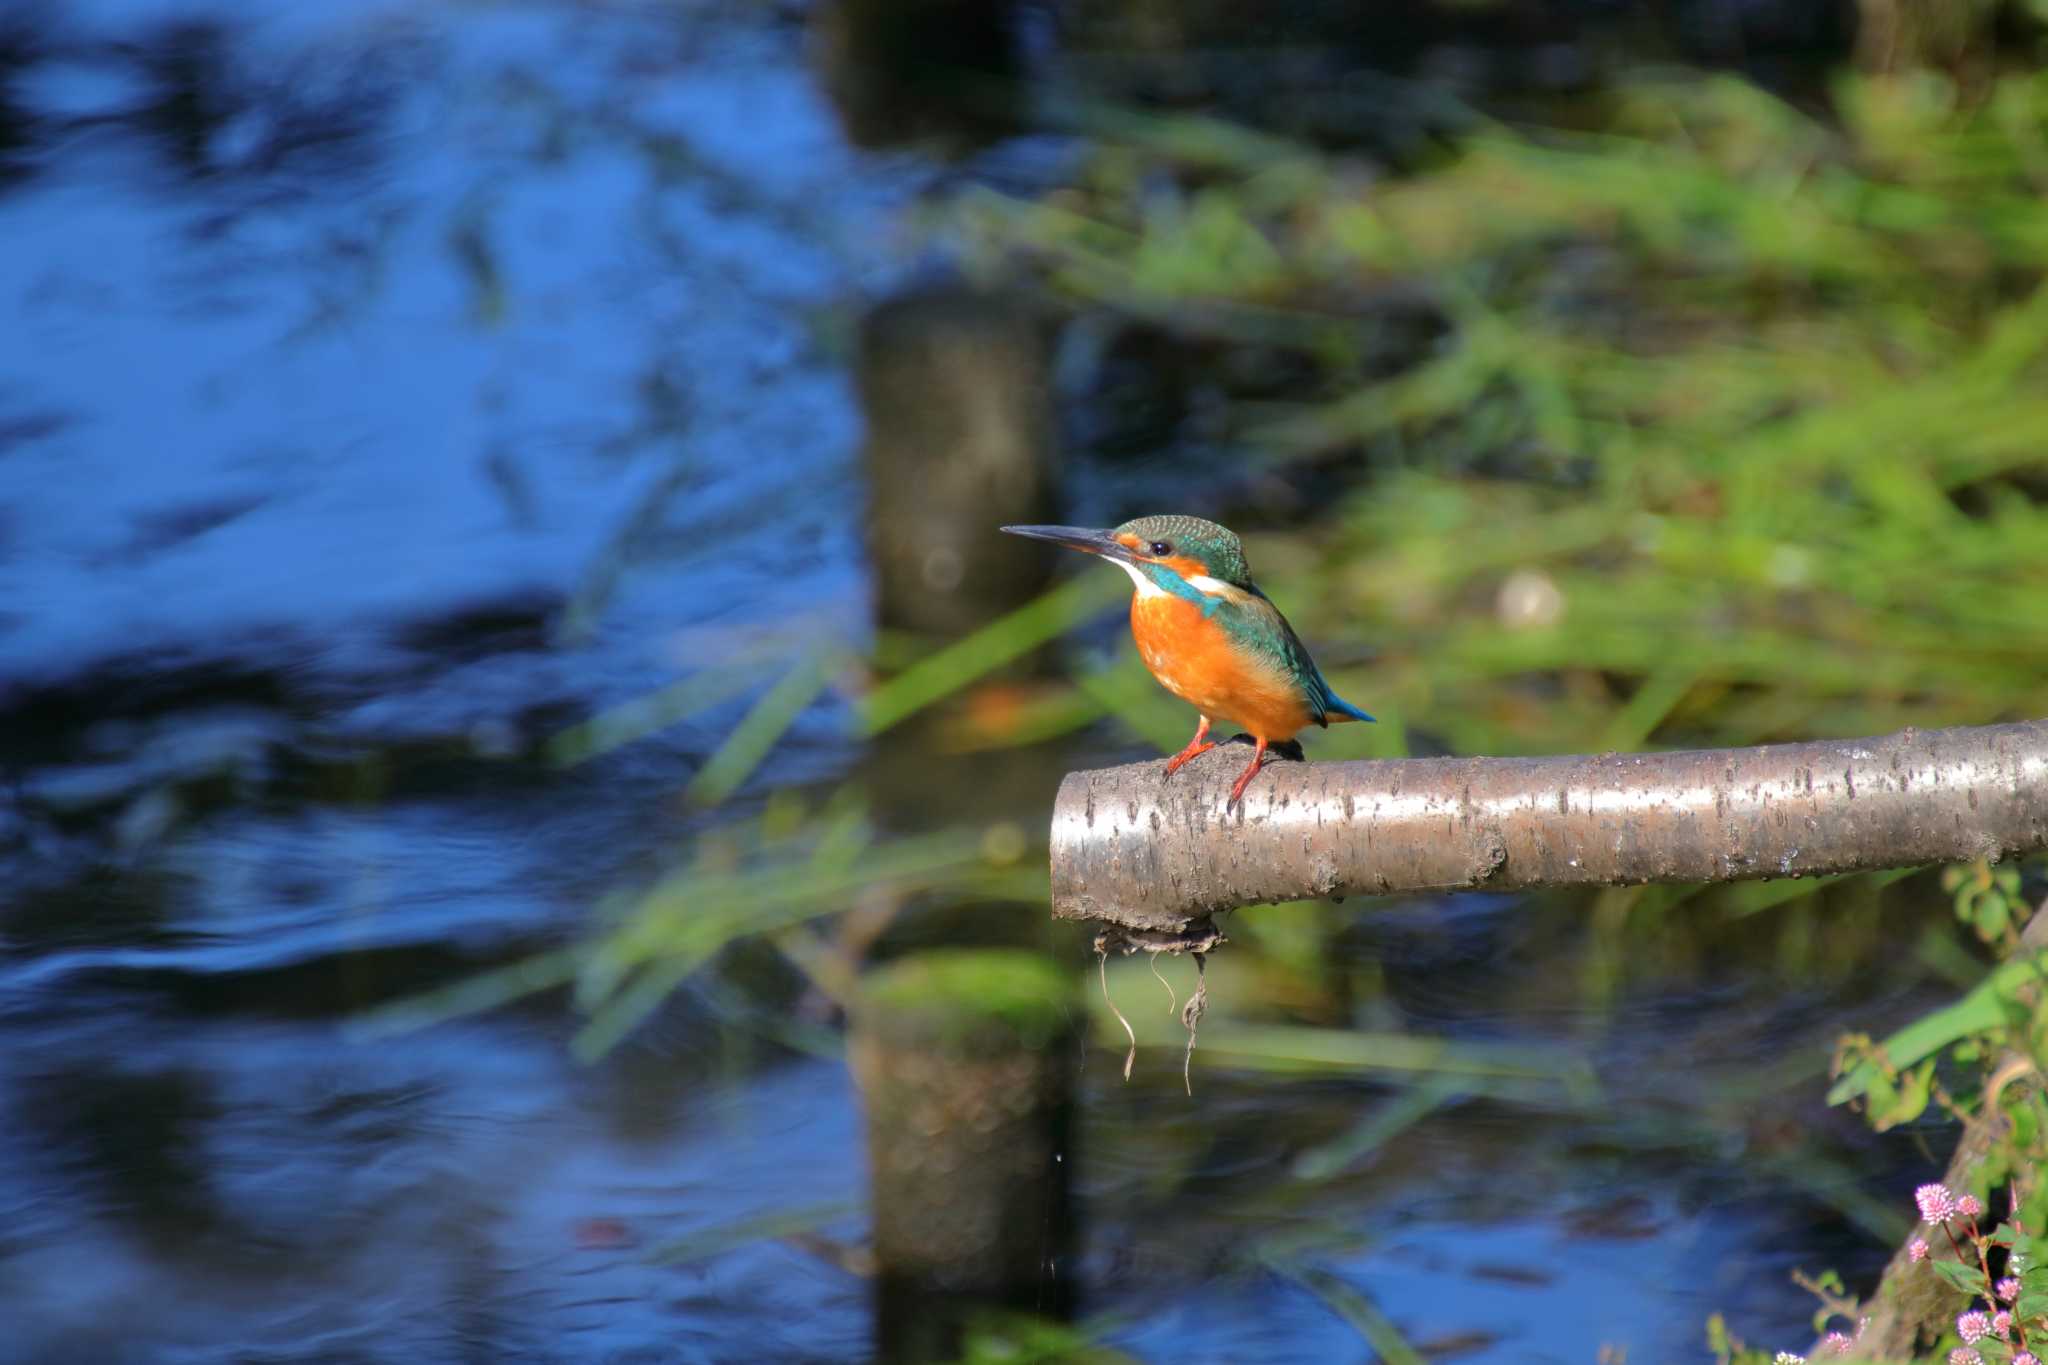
(1194, 659)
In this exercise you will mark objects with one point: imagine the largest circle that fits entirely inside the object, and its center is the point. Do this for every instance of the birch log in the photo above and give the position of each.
(1156, 855)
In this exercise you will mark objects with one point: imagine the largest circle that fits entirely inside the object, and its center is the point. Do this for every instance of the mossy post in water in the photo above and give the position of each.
(955, 386)
(965, 1060)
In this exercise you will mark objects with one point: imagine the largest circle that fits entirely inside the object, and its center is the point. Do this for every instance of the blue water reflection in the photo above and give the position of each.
(350, 348)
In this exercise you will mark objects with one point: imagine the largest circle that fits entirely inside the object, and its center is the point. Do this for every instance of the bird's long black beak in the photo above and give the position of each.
(1077, 538)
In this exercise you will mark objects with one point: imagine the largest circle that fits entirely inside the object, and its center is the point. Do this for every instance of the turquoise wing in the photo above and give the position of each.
(1256, 623)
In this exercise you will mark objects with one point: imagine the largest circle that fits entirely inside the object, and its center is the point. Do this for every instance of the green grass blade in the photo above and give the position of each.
(755, 736)
(939, 676)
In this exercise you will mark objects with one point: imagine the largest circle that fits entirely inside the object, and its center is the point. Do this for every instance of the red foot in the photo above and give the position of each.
(1194, 750)
(1244, 778)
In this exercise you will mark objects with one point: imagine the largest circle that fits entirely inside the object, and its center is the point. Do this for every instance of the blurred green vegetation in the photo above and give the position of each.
(1707, 420)
(1727, 424)
(969, 1001)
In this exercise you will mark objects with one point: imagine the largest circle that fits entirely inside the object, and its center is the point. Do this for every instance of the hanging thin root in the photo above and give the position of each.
(1172, 1000)
(1197, 939)
(1102, 958)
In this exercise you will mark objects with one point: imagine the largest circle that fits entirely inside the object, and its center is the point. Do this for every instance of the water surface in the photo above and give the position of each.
(384, 387)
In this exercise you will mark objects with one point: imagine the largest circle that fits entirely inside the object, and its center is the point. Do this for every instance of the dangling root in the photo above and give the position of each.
(1197, 939)
(1172, 1000)
(1102, 958)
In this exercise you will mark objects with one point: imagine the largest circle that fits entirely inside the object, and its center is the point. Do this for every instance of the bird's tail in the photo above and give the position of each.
(1341, 709)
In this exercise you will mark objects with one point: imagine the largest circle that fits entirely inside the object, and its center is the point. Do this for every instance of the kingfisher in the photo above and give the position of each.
(1209, 635)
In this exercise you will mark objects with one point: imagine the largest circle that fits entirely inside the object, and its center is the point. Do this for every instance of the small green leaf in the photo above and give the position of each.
(1717, 1337)
(1994, 916)
(2026, 1123)
(1908, 1100)
(1981, 1011)
(1967, 1278)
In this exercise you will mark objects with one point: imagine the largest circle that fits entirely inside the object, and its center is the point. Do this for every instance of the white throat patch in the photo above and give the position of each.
(1146, 587)
(1201, 582)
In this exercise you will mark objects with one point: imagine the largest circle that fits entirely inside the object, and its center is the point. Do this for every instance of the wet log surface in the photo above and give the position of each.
(1157, 855)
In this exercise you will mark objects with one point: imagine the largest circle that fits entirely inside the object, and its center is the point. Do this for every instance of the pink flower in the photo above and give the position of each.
(1968, 1206)
(2025, 1358)
(2001, 1325)
(1916, 1250)
(1972, 1325)
(1836, 1342)
(1937, 1205)
(2008, 1289)
(1963, 1355)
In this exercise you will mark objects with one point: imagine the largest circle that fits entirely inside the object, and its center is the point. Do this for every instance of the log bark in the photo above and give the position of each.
(1156, 856)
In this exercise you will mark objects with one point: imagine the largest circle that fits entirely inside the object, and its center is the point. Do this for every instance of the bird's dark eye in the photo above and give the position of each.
(1162, 548)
